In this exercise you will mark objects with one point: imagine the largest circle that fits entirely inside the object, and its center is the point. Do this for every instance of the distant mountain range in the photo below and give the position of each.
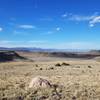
(21, 49)
(34, 49)
(28, 49)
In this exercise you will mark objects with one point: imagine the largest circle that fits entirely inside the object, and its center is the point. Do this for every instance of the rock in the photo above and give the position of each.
(39, 82)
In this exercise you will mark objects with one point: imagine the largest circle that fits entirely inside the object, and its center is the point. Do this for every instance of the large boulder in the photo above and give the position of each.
(39, 82)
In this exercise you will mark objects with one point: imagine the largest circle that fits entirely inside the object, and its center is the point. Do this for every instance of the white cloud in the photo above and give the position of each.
(91, 25)
(64, 15)
(80, 18)
(1, 29)
(58, 29)
(26, 26)
(92, 19)
(75, 17)
(53, 31)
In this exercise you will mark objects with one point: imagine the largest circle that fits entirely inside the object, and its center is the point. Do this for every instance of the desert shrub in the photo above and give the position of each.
(65, 64)
(51, 68)
(36, 65)
(89, 66)
(41, 68)
(58, 64)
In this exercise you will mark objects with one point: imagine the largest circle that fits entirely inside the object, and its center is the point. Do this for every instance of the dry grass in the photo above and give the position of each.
(76, 81)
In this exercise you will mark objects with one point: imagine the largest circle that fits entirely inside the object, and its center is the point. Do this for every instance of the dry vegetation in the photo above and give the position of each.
(71, 80)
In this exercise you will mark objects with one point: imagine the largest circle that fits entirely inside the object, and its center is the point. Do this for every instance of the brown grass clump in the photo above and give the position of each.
(51, 68)
(58, 64)
(37, 65)
(41, 68)
(89, 66)
(65, 64)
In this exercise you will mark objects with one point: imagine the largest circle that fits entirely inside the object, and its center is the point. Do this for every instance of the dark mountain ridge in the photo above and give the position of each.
(10, 56)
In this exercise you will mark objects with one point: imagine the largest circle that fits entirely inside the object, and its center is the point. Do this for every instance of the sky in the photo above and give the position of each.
(60, 24)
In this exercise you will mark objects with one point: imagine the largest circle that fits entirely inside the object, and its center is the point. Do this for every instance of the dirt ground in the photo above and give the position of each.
(76, 79)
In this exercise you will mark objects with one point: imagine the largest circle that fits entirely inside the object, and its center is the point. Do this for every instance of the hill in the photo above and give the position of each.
(10, 56)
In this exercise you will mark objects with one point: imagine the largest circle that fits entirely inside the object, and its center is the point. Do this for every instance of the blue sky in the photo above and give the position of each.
(62, 24)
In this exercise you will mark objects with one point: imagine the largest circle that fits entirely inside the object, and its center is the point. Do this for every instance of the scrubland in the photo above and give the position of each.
(72, 80)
